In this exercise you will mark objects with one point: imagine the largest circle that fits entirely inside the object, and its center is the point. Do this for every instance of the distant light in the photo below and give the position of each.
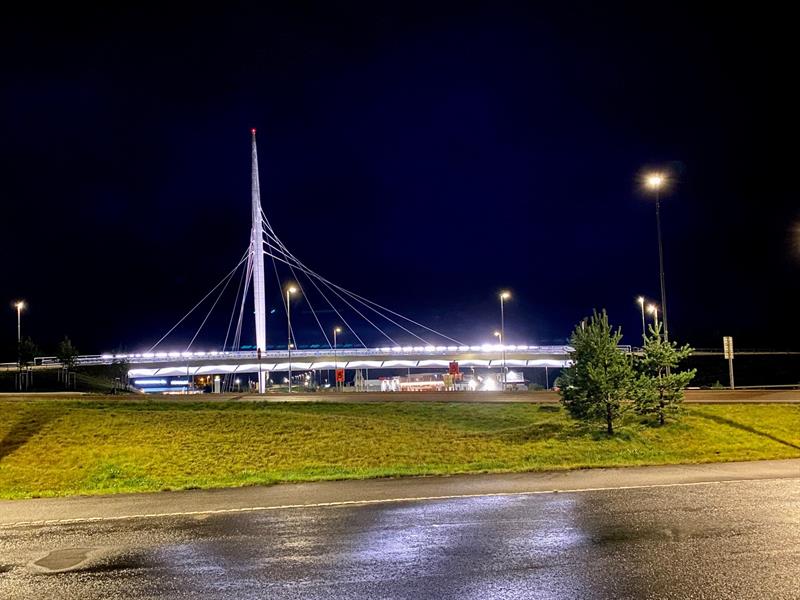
(640, 300)
(489, 385)
(179, 382)
(497, 334)
(292, 289)
(149, 381)
(338, 330)
(253, 131)
(19, 305)
(505, 295)
(655, 181)
(651, 308)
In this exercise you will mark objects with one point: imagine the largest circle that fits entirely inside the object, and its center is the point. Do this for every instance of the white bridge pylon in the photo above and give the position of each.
(256, 260)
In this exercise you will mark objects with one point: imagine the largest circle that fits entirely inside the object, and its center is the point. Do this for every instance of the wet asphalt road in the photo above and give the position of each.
(732, 540)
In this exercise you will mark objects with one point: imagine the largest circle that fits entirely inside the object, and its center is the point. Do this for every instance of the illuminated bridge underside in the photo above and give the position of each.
(369, 358)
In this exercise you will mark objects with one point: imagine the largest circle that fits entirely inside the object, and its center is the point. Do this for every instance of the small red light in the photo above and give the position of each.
(253, 131)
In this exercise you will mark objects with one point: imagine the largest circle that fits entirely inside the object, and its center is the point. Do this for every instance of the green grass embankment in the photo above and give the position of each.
(54, 448)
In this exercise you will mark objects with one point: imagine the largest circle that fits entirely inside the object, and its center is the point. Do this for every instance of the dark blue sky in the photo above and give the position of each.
(424, 156)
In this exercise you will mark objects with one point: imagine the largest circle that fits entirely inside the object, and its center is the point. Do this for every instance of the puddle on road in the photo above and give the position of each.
(86, 560)
(66, 558)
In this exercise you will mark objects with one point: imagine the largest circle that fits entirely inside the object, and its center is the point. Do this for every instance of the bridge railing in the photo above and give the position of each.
(156, 357)
(150, 357)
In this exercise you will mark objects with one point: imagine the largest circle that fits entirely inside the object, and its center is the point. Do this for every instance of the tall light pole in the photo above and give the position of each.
(19, 305)
(640, 300)
(653, 310)
(336, 330)
(656, 182)
(499, 336)
(289, 291)
(505, 295)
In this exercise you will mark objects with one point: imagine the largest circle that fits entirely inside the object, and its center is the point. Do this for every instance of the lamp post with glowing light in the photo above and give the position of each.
(656, 182)
(503, 297)
(289, 291)
(499, 336)
(19, 305)
(640, 300)
(336, 330)
(653, 310)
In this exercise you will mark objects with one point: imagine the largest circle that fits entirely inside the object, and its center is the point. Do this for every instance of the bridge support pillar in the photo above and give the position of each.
(257, 260)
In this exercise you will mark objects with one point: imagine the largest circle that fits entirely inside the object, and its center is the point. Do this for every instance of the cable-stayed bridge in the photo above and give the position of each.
(403, 343)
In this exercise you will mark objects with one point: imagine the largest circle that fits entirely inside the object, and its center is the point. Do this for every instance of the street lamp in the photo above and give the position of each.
(336, 330)
(289, 291)
(653, 310)
(640, 300)
(499, 335)
(19, 305)
(504, 295)
(656, 182)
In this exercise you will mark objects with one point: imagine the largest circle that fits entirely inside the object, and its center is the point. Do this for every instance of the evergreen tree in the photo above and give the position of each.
(27, 351)
(598, 382)
(659, 385)
(67, 353)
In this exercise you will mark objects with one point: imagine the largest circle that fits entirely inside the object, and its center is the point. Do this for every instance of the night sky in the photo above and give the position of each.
(425, 156)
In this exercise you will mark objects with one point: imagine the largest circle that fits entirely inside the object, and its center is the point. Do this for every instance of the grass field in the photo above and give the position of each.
(55, 448)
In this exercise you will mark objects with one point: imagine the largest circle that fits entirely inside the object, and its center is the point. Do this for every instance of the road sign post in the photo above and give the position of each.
(727, 348)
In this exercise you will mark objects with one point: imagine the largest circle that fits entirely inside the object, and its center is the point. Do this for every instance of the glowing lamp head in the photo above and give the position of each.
(291, 290)
(253, 131)
(640, 300)
(651, 309)
(497, 334)
(19, 305)
(505, 295)
(338, 330)
(655, 181)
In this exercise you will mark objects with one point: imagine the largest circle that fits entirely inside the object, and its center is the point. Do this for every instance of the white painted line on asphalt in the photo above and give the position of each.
(340, 503)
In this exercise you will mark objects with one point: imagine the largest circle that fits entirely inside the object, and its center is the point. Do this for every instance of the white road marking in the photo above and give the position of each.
(340, 503)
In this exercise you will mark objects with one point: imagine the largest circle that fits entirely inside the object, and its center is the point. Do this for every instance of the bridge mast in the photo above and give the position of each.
(257, 258)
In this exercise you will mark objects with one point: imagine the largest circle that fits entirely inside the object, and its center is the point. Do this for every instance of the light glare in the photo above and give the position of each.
(655, 181)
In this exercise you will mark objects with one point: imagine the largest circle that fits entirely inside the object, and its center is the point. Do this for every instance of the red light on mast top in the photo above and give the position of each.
(253, 131)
